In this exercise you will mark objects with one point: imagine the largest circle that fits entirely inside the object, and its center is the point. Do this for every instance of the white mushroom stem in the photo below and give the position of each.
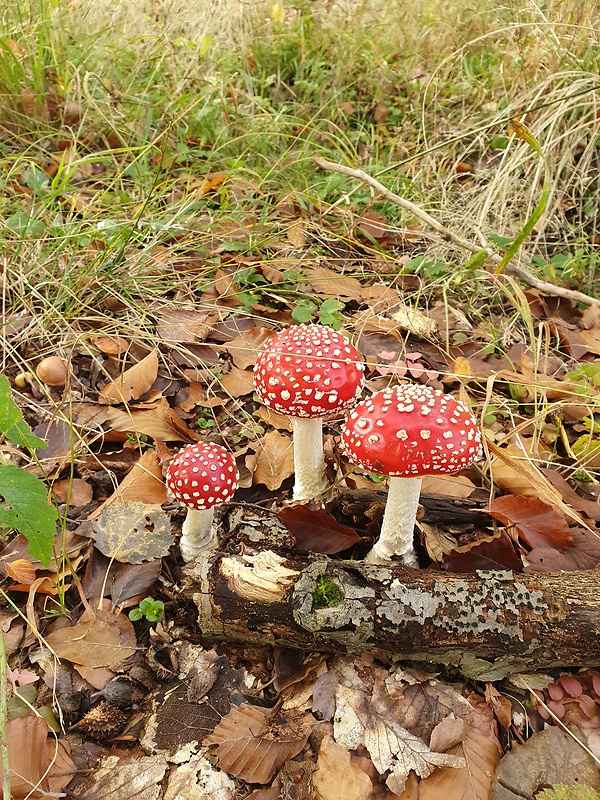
(397, 529)
(197, 534)
(309, 464)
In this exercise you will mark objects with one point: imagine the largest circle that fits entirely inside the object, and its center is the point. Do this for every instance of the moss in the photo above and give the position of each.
(561, 791)
(326, 594)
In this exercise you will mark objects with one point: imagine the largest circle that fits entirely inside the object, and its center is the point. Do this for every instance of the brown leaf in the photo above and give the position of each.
(21, 571)
(590, 508)
(273, 461)
(500, 704)
(537, 523)
(133, 383)
(585, 554)
(132, 580)
(101, 641)
(328, 283)
(112, 345)
(245, 348)
(274, 419)
(481, 750)
(76, 492)
(180, 325)
(296, 234)
(38, 765)
(337, 775)
(447, 485)
(252, 744)
(316, 531)
(158, 421)
(238, 382)
(133, 532)
(144, 483)
(490, 552)
(373, 224)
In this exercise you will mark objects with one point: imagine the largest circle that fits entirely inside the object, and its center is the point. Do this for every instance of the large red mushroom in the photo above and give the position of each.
(407, 432)
(310, 373)
(201, 476)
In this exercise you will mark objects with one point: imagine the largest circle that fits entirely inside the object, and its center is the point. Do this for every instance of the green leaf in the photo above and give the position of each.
(24, 507)
(303, 311)
(12, 424)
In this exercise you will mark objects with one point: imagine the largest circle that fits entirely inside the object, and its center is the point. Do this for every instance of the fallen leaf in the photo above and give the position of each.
(158, 421)
(273, 461)
(489, 552)
(447, 485)
(238, 382)
(328, 283)
(133, 532)
(253, 742)
(337, 776)
(316, 531)
(132, 580)
(245, 348)
(415, 321)
(21, 571)
(103, 640)
(76, 492)
(38, 765)
(188, 326)
(296, 234)
(274, 419)
(144, 483)
(133, 383)
(537, 523)
(112, 345)
(128, 777)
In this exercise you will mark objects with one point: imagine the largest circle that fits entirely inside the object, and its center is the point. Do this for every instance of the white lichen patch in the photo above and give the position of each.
(494, 605)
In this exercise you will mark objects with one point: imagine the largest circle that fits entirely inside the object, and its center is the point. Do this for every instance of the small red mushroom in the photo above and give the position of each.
(201, 476)
(407, 432)
(310, 373)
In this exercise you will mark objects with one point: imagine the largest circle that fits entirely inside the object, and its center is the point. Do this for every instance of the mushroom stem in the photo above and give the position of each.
(309, 464)
(397, 529)
(197, 533)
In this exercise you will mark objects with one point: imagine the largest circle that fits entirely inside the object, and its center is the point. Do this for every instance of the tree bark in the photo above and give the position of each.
(487, 624)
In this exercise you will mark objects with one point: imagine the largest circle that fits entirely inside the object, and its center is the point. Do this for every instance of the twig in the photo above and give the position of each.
(4, 757)
(449, 236)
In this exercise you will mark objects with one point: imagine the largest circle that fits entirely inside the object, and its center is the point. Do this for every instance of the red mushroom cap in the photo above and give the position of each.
(202, 476)
(410, 431)
(309, 371)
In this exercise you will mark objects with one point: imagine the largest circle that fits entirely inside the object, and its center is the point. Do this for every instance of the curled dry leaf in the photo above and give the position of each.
(111, 345)
(316, 531)
(537, 523)
(21, 571)
(273, 461)
(133, 383)
(99, 639)
(133, 532)
(415, 321)
(253, 743)
(38, 765)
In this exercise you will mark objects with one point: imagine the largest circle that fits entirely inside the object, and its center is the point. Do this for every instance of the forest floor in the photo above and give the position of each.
(180, 184)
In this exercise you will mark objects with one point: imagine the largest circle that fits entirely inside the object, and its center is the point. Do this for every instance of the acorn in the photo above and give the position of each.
(52, 371)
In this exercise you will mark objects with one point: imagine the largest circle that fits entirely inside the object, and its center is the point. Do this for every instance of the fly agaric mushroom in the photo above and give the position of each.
(407, 432)
(201, 476)
(309, 372)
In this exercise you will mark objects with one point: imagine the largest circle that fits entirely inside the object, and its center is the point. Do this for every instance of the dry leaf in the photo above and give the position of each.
(316, 531)
(186, 326)
(133, 532)
(127, 778)
(538, 524)
(112, 345)
(21, 571)
(158, 421)
(144, 483)
(480, 750)
(38, 765)
(273, 461)
(101, 640)
(328, 283)
(76, 492)
(447, 485)
(415, 321)
(133, 383)
(296, 234)
(252, 744)
(274, 419)
(337, 776)
(238, 382)
(245, 348)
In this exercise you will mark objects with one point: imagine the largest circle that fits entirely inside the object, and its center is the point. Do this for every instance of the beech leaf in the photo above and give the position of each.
(537, 523)
(103, 640)
(274, 460)
(132, 383)
(316, 531)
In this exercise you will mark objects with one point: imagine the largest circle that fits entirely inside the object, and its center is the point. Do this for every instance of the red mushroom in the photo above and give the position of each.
(310, 373)
(407, 432)
(201, 476)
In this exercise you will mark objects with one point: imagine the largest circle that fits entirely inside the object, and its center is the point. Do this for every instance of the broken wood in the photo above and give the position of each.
(487, 624)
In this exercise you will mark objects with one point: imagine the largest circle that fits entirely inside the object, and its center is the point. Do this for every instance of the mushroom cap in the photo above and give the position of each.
(202, 476)
(309, 371)
(410, 431)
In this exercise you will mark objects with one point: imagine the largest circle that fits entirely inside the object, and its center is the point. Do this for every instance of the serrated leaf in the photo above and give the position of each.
(24, 507)
(12, 424)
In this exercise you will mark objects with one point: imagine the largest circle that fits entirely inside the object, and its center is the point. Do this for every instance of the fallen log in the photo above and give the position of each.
(487, 624)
